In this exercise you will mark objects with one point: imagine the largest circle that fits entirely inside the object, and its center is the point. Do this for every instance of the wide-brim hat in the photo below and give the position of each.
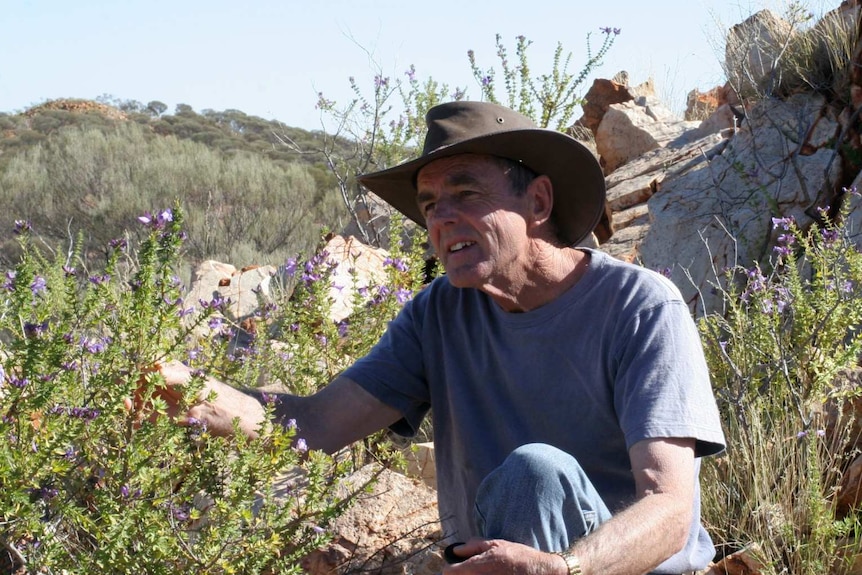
(487, 128)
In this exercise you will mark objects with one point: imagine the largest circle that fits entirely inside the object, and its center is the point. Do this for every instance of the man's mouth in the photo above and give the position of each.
(460, 246)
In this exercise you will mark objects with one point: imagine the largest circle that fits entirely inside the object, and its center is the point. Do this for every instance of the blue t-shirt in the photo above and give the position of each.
(614, 360)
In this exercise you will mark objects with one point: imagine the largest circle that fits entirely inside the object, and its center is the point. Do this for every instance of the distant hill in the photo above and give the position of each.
(86, 166)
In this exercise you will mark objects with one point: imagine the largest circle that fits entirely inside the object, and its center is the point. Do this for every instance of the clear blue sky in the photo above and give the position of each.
(269, 58)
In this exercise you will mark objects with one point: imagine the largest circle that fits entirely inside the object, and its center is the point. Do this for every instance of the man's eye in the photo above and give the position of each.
(426, 208)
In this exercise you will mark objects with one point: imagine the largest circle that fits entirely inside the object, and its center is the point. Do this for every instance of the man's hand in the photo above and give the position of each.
(499, 557)
(217, 405)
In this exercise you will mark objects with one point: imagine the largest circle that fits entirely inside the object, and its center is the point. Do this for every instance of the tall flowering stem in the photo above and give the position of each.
(549, 99)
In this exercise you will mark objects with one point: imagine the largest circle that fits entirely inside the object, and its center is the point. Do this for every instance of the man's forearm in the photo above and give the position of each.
(637, 539)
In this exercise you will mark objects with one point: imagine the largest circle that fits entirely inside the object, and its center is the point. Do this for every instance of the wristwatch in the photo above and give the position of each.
(572, 562)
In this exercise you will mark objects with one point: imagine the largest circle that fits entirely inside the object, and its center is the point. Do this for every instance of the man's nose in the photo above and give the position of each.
(444, 212)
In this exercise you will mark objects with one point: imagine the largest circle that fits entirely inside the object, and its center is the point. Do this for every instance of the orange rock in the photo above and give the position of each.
(850, 488)
(740, 563)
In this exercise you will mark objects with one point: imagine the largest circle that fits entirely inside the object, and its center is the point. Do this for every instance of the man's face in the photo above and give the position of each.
(477, 224)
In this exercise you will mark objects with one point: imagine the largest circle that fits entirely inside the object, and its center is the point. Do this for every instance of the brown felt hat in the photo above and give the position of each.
(486, 128)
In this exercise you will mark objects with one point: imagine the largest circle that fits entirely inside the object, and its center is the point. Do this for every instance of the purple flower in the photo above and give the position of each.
(290, 267)
(665, 271)
(782, 251)
(22, 226)
(9, 284)
(783, 223)
(458, 94)
(486, 80)
(99, 280)
(301, 445)
(19, 382)
(215, 323)
(118, 243)
(180, 512)
(396, 263)
(291, 424)
(403, 295)
(829, 236)
(380, 82)
(187, 311)
(69, 271)
(343, 326)
(35, 329)
(92, 345)
(847, 286)
(38, 285)
(411, 73)
(157, 221)
(44, 493)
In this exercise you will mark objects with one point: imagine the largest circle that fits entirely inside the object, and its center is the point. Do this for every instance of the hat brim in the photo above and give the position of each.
(577, 178)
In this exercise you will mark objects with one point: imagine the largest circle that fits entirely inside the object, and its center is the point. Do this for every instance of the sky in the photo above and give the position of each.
(271, 58)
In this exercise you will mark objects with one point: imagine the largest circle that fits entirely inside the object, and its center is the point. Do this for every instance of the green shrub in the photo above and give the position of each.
(89, 482)
(774, 356)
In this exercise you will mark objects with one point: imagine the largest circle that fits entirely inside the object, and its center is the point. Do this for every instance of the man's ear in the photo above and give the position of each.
(541, 193)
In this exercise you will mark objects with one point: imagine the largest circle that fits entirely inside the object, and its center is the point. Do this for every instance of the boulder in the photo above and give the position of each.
(356, 266)
(631, 129)
(850, 488)
(243, 288)
(392, 530)
(718, 214)
(604, 93)
(752, 48)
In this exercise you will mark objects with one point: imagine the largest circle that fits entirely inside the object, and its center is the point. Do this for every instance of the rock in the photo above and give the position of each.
(394, 530)
(850, 489)
(718, 214)
(751, 49)
(420, 463)
(601, 95)
(742, 562)
(631, 129)
(700, 105)
(244, 287)
(356, 266)
(851, 563)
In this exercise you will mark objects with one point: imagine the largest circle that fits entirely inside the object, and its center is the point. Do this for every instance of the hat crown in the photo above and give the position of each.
(455, 122)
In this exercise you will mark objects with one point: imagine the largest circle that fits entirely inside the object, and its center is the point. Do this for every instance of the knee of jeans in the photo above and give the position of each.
(538, 459)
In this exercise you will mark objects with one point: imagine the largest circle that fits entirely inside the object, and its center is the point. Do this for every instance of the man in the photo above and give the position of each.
(571, 401)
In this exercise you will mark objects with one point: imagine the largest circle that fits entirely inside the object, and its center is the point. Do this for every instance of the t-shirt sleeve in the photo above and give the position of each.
(662, 386)
(394, 370)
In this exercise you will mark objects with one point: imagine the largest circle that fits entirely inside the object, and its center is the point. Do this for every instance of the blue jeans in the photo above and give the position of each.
(541, 497)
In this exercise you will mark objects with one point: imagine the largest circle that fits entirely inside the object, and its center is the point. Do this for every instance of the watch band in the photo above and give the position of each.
(572, 562)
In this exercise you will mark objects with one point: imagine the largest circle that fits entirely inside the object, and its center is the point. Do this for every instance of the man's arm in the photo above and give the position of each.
(656, 526)
(337, 415)
(632, 542)
(332, 418)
